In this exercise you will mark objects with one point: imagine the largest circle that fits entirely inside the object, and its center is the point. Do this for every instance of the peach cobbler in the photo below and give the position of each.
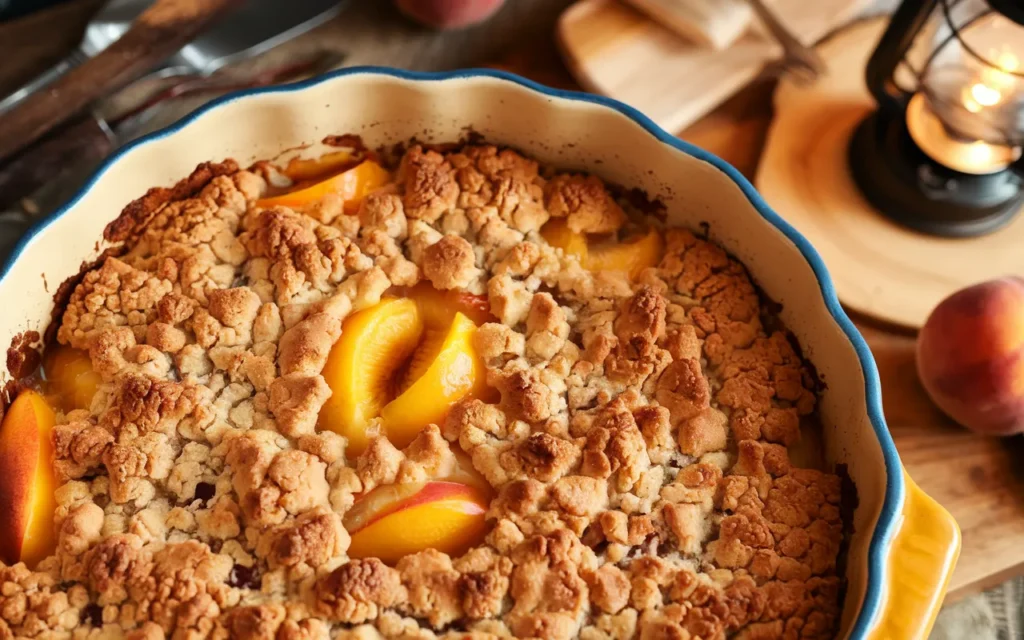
(446, 394)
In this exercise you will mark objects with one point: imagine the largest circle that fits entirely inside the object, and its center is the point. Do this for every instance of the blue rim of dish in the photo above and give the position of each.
(895, 489)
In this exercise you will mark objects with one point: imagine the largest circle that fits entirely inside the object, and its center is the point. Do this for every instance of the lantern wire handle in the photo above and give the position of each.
(919, 74)
(949, 38)
(968, 48)
(906, 22)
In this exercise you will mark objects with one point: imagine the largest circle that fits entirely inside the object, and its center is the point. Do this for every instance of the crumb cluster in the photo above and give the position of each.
(639, 453)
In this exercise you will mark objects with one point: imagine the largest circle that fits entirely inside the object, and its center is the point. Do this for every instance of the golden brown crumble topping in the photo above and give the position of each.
(637, 445)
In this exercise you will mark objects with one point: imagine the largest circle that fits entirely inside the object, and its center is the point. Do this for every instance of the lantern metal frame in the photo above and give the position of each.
(893, 172)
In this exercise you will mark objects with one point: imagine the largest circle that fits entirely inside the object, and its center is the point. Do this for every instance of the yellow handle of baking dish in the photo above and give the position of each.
(921, 562)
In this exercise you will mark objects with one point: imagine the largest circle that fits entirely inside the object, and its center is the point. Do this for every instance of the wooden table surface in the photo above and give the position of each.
(978, 479)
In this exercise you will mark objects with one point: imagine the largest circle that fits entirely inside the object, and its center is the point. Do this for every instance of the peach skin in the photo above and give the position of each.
(439, 307)
(393, 521)
(970, 356)
(27, 482)
(361, 367)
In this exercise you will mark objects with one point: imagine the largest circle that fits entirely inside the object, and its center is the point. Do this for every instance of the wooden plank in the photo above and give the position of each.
(978, 479)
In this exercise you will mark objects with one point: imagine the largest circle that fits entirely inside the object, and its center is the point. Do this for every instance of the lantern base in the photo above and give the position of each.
(910, 188)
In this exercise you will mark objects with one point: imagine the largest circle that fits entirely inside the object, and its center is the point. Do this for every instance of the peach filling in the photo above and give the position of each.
(453, 373)
(71, 382)
(360, 367)
(312, 170)
(446, 513)
(398, 367)
(351, 184)
(393, 521)
(597, 253)
(27, 482)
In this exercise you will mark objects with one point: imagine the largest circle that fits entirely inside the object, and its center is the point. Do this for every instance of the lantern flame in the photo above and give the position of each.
(985, 95)
(992, 84)
(978, 96)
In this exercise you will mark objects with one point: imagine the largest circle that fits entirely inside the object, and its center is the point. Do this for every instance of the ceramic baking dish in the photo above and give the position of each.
(904, 544)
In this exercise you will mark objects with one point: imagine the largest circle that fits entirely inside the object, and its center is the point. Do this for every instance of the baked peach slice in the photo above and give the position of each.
(71, 381)
(361, 367)
(559, 235)
(632, 255)
(352, 185)
(442, 372)
(27, 482)
(310, 170)
(406, 361)
(394, 521)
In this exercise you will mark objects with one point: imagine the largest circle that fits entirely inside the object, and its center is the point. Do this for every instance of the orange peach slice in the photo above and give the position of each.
(455, 372)
(70, 377)
(394, 521)
(351, 185)
(27, 482)
(631, 256)
(361, 367)
(559, 235)
(424, 355)
(316, 169)
(438, 309)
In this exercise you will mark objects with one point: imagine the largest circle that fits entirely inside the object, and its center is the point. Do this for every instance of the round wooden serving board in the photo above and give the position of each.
(879, 268)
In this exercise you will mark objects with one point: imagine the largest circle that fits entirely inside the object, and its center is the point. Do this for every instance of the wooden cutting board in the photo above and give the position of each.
(615, 50)
(879, 268)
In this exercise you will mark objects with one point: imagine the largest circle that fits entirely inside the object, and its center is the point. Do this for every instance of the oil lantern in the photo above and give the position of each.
(942, 153)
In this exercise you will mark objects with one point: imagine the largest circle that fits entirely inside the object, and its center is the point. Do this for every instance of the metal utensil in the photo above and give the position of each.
(801, 61)
(133, 121)
(161, 30)
(252, 28)
(109, 23)
(91, 138)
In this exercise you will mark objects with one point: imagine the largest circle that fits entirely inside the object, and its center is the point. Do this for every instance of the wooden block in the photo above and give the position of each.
(615, 50)
(709, 23)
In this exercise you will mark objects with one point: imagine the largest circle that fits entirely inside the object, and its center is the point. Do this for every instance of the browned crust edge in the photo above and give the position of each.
(138, 212)
(25, 349)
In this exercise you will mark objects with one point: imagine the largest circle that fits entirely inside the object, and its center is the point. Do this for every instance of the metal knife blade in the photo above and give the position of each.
(252, 28)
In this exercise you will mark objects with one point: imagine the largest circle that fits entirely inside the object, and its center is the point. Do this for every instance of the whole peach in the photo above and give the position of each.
(970, 356)
(449, 14)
